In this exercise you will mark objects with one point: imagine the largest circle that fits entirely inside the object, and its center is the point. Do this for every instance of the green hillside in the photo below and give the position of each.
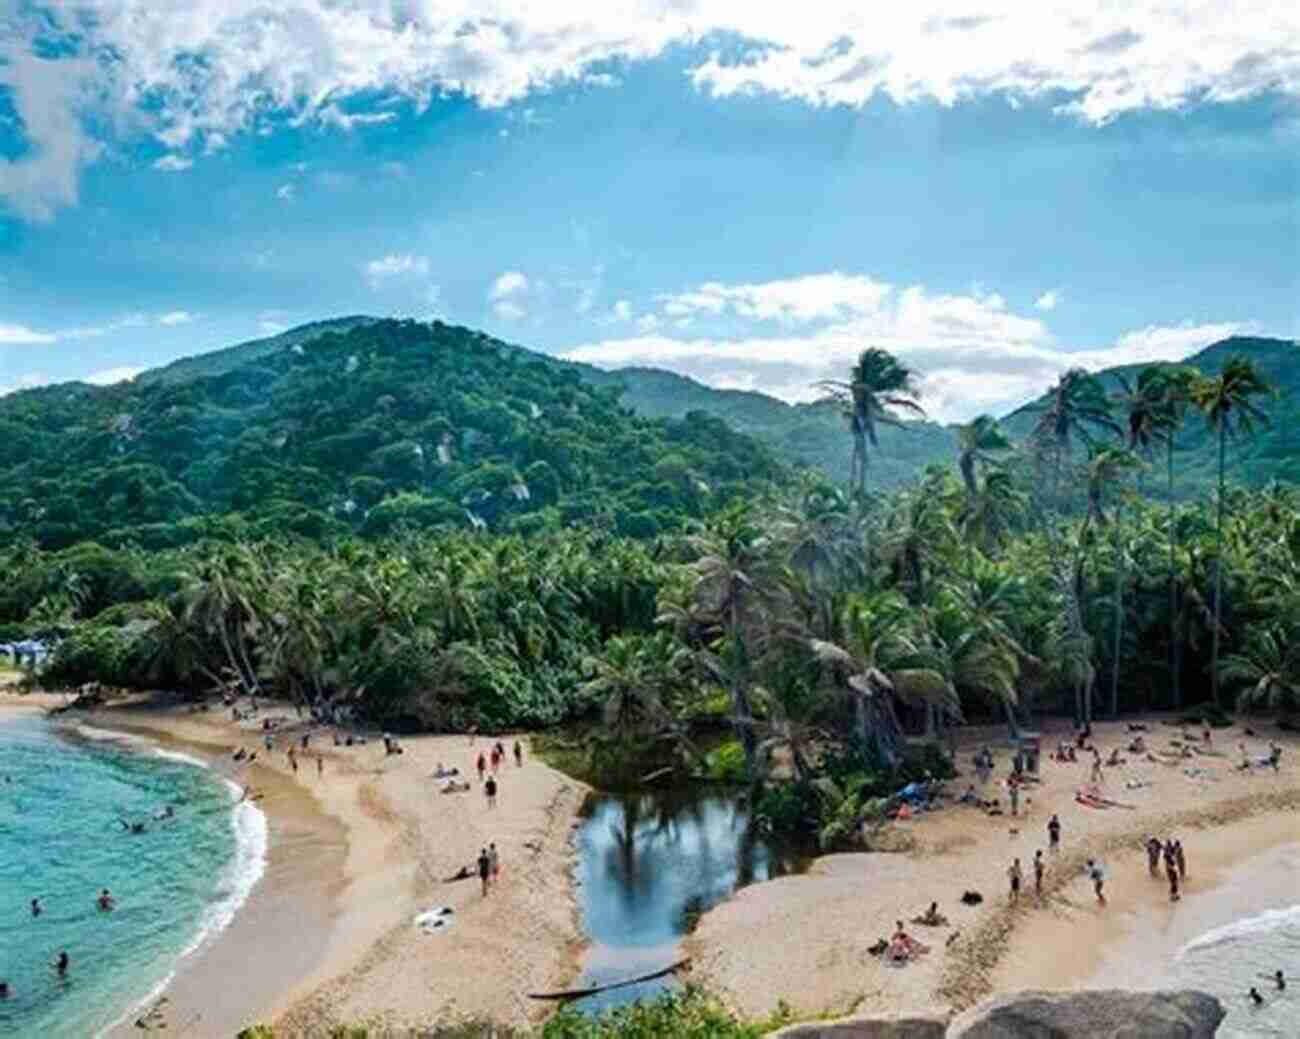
(381, 426)
(803, 434)
(1272, 453)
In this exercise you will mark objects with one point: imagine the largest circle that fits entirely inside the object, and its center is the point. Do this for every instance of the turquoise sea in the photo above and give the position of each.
(61, 840)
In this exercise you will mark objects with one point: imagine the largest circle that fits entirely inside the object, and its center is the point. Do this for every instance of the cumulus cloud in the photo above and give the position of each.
(395, 265)
(508, 283)
(172, 163)
(196, 74)
(175, 317)
(108, 376)
(974, 353)
(509, 310)
(623, 310)
(21, 335)
(1048, 300)
(813, 297)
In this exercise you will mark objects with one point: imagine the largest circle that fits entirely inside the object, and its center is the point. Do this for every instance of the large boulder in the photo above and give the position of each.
(907, 1026)
(1113, 1014)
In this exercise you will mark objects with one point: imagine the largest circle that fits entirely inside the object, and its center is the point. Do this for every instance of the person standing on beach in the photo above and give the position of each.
(1153, 855)
(519, 755)
(482, 766)
(484, 869)
(320, 764)
(1171, 861)
(1174, 896)
(1014, 875)
(1098, 776)
(1039, 867)
(490, 788)
(1098, 877)
(293, 760)
(1180, 860)
(1013, 791)
(494, 862)
(1053, 833)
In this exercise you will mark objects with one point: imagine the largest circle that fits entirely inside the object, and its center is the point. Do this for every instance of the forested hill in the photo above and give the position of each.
(1271, 452)
(373, 427)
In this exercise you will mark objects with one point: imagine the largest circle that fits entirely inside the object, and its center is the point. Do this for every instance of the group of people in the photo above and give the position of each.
(1171, 852)
(489, 867)
(104, 902)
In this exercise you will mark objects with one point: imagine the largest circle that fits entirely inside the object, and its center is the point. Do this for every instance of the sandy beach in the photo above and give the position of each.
(804, 939)
(356, 851)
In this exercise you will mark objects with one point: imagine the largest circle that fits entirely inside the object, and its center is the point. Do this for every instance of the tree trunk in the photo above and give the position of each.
(1013, 726)
(1120, 577)
(1175, 651)
(1218, 568)
(742, 711)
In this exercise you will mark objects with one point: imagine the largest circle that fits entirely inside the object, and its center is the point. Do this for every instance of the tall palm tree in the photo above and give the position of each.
(1267, 668)
(1227, 402)
(977, 441)
(878, 384)
(1075, 408)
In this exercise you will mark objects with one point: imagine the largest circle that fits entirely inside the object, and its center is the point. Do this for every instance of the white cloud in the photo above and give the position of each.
(108, 376)
(647, 323)
(96, 331)
(286, 192)
(813, 297)
(176, 317)
(21, 335)
(172, 163)
(1048, 300)
(508, 283)
(396, 265)
(973, 352)
(508, 310)
(196, 74)
(623, 310)
(28, 381)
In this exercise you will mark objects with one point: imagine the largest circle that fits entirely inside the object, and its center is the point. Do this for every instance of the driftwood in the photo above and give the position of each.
(579, 993)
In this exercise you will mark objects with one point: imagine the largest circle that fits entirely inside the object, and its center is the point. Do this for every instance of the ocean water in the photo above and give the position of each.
(176, 885)
(1228, 960)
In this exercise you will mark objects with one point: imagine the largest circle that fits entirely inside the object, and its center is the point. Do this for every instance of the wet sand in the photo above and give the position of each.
(803, 939)
(355, 852)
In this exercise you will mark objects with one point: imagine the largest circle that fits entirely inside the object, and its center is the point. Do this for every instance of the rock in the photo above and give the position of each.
(904, 1026)
(1113, 1014)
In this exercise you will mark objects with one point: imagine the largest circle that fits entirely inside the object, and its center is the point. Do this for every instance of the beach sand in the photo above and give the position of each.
(327, 937)
(803, 939)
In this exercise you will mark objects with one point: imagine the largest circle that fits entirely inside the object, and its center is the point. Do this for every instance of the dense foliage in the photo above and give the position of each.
(385, 426)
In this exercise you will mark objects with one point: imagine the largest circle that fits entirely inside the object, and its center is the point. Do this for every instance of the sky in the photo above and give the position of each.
(745, 193)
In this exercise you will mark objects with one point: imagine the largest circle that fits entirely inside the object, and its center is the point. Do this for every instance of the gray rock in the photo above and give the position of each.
(1114, 1014)
(905, 1026)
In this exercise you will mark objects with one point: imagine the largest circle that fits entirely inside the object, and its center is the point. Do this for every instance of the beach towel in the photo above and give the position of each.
(434, 921)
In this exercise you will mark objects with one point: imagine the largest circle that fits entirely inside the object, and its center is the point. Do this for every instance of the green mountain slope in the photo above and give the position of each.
(804, 434)
(382, 425)
(1272, 453)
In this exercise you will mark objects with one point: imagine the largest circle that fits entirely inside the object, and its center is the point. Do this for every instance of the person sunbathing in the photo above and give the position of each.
(1138, 746)
(903, 947)
(1114, 759)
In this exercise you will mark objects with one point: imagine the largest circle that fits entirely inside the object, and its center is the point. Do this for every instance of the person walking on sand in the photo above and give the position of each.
(320, 764)
(1014, 875)
(490, 789)
(1013, 791)
(1097, 874)
(484, 870)
(293, 760)
(1171, 861)
(1153, 855)
(1098, 776)
(1053, 833)
(519, 755)
(482, 766)
(494, 862)
(1039, 867)
(1174, 896)
(1180, 860)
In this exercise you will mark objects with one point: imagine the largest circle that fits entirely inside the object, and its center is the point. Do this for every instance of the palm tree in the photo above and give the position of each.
(1226, 401)
(1268, 668)
(1074, 408)
(877, 383)
(976, 442)
(628, 689)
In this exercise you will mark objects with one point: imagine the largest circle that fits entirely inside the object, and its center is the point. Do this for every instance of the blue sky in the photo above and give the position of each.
(747, 197)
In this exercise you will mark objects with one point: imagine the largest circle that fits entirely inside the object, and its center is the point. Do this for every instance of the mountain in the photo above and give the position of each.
(360, 425)
(1272, 453)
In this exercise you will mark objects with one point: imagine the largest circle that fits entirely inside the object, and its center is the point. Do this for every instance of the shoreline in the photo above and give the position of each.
(326, 936)
(805, 938)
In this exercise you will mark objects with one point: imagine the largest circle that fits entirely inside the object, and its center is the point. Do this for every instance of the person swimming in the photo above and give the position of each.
(36, 907)
(62, 964)
(105, 901)
(132, 827)
(4, 990)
